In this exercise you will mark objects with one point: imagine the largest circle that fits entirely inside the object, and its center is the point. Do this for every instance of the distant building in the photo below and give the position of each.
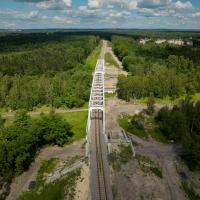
(189, 43)
(160, 41)
(179, 42)
(144, 40)
(176, 42)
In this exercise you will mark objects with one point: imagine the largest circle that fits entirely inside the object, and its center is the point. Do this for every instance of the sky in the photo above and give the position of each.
(142, 14)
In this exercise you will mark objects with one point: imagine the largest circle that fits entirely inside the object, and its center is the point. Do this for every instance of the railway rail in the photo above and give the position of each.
(102, 190)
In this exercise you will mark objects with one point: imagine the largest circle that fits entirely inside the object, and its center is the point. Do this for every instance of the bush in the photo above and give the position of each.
(53, 129)
(190, 191)
(125, 122)
(138, 121)
(151, 104)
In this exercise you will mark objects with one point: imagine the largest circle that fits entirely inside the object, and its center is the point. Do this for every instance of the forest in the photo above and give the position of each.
(162, 70)
(38, 69)
(185, 131)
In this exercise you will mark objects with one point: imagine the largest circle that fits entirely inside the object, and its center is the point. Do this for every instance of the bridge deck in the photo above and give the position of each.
(99, 169)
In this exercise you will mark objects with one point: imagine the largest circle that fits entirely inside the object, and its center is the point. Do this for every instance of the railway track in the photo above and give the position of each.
(102, 190)
(100, 186)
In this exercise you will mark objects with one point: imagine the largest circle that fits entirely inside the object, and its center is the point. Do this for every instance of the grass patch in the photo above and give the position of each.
(143, 159)
(47, 166)
(85, 105)
(157, 100)
(196, 96)
(8, 121)
(78, 121)
(3, 110)
(110, 60)
(109, 43)
(148, 165)
(120, 158)
(61, 189)
(189, 190)
(43, 108)
(71, 160)
(156, 171)
(92, 58)
(165, 100)
(124, 122)
(158, 135)
(109, 95)
(149, 128)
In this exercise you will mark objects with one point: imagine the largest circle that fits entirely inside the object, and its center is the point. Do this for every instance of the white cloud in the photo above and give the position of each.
(119, 14)
(19, 15)
(153, 3)
(131, 4)
(182, 5)
(55, 4)
(64, 20)
(7, 25)
(67, 2)
(104, 13)
(196, 14)
(44, 17)
(57, 19)
(94, 3)
(33, 14)
(29, 1)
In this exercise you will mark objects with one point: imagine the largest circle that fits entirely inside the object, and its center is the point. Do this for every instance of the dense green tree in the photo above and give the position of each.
(138, 121)
(180, 64)
(151, 104)
(123, 89)
(2, 121)
(53, 129)
(21, 118)
(182, 124)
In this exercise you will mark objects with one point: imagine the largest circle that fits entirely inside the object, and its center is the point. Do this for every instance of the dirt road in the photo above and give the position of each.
(33, 113)
(112, 72)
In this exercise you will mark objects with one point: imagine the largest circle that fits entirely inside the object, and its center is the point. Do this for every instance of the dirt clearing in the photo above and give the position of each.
(132, 181)
(21, 182)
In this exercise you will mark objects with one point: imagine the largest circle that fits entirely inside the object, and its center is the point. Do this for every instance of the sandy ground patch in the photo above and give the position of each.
(21, 182)
(131, 182)
(82, 188)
